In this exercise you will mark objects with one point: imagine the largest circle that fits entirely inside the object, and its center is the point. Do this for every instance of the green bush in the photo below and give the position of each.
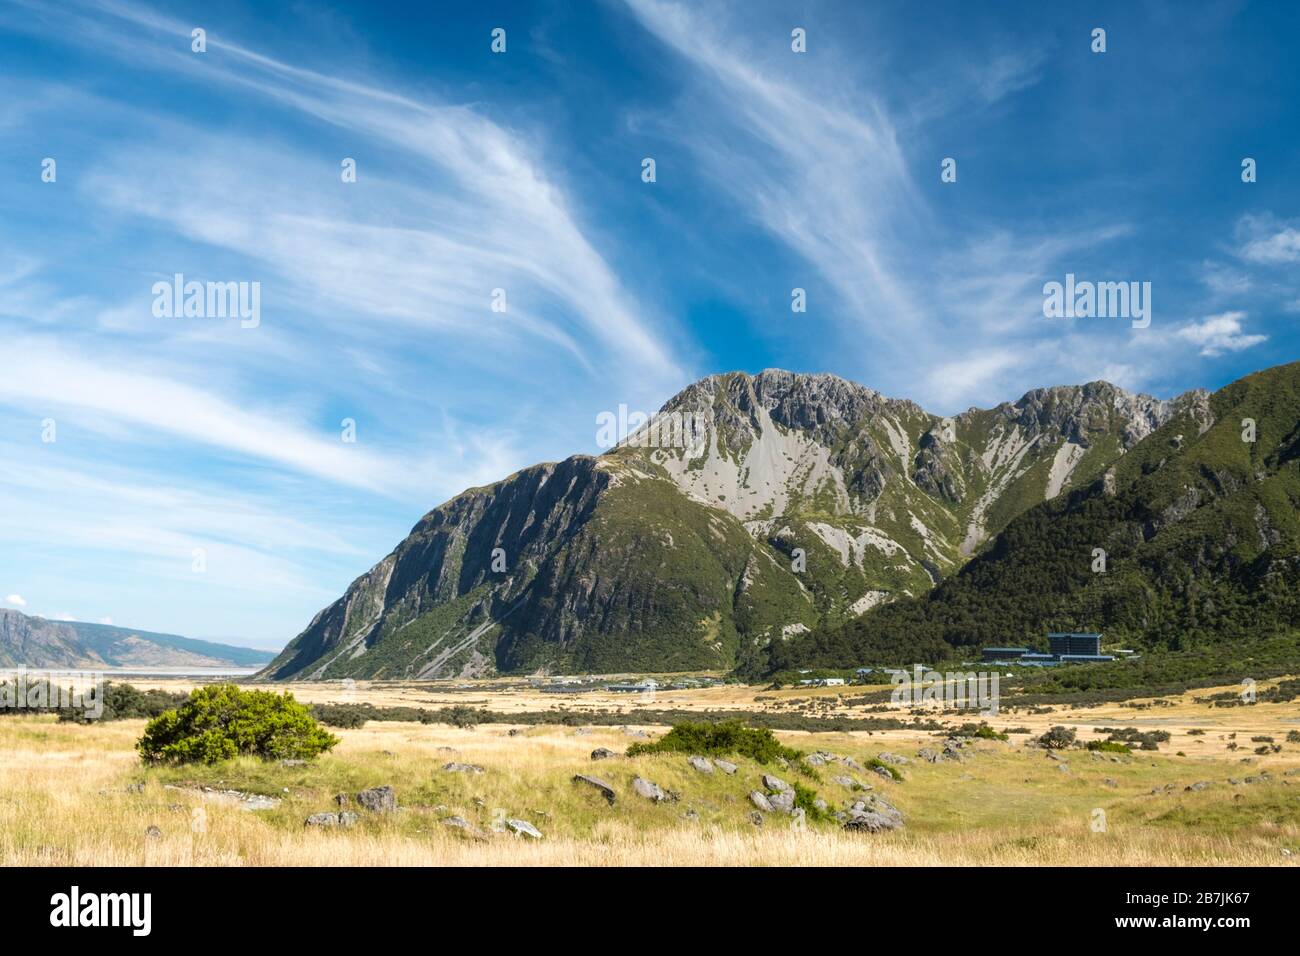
(1058, 738)
(1109, 746)
(222, 721)
(719, 740)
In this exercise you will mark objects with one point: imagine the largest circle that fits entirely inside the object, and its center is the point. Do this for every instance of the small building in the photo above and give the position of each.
(1004, 653)
(639, 687)
(831, 682)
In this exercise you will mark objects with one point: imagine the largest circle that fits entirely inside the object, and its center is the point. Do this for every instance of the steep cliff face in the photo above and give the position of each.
(749, 510)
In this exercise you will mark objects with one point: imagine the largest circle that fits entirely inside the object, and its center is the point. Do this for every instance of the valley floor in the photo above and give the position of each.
(78, 795)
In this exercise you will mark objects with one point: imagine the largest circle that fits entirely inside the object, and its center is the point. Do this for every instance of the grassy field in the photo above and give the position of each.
(73, 794)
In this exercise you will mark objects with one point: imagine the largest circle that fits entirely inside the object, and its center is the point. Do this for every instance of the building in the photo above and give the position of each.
(639, 687)
(1075, 643)
(1067, 647)
(1004, 653)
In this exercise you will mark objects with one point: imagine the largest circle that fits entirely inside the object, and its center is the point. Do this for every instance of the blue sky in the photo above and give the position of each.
(522, 171)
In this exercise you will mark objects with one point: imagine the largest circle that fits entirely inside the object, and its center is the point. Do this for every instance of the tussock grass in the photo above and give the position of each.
(66, 798)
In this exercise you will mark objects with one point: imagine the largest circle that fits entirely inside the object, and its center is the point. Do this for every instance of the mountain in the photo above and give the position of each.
(748, 512)
(1200, 528)
(35, 642)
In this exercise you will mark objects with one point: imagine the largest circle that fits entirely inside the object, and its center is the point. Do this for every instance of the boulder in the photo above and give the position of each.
(603, 786)
(701, 764)
(774, 783)
(1193, 787)
(348, 819)
(462, 768)
(870, 822)
(896, 759)
(378, 799)
(524, 828)
(928, 755)
(602, 753)
(759, 799)
(648, 790)
(847, 782)
(322, 820)
(815, 760)
(782, 800)
(725, 766)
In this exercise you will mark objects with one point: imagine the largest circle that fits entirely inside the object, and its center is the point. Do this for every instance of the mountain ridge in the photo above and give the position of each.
(33, 641)
(804, 501)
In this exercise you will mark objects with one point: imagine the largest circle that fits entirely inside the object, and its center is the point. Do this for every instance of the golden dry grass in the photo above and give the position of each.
(64, 799)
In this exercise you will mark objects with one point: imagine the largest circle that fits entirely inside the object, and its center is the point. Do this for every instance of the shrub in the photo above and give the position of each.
(222, 721)
(1109, 746)
(875, 763)
(805, 798)
(1293, 736)
(1058, 738)
(719, 740)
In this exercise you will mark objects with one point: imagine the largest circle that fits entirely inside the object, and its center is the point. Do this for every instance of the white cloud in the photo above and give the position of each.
(1265, 241)
(106, 620)
(16, 600)
(1216, 334)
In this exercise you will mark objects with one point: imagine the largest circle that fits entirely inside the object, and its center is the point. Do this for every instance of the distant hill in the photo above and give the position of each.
(36, 642)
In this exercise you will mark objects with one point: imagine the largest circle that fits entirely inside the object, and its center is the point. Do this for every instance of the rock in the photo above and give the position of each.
(1064, 767)
(928, 755)
(1194, 787)
(847, 782)
(821, 805)
(602, 753)
(637, 733)
(854, 765)
(582, 731)
(135, 787)
(1051, 756)
(513, 732)
(462, 768)
(952, 751)
(897, 759)
(815, 760)
(524, 828)
(725, 766)
(759, 799)
(882, 773)
(322, 820)
(1110, 782)
(378, 799)
(465, 827)
(648, 790)
(701, 764)
(153, 833)
(348, 819)
(756, 818)
(782, 800)
(603, 786)
(293, 763)
(870, 822)
(774, 783)
(342, 799)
